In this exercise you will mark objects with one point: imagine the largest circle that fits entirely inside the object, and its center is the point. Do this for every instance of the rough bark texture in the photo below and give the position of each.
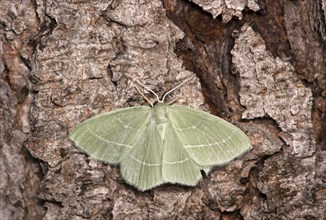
(227, 8)
(261, 66)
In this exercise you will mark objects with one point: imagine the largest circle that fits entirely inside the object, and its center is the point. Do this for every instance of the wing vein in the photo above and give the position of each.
(144, 163)
(108, 141)
(179, 161)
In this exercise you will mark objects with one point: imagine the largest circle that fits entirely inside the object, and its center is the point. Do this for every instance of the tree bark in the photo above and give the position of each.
(259, 64)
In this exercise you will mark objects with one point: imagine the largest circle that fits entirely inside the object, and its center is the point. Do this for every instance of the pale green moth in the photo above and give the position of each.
(160, 144)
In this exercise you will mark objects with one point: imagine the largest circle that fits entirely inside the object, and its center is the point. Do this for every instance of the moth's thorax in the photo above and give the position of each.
(160, 117)
(160, 113)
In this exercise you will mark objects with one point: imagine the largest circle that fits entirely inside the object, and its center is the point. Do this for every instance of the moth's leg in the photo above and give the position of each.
(173, 100)
(142, 94)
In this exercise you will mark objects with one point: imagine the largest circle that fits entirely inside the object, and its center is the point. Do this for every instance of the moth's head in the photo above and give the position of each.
(159, 105)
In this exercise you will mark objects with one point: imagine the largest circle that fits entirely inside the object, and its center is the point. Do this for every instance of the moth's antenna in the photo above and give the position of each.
(142, 94)
(178, 86)
(146, 87)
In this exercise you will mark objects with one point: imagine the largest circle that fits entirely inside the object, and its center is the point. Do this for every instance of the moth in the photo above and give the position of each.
(160, 144)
